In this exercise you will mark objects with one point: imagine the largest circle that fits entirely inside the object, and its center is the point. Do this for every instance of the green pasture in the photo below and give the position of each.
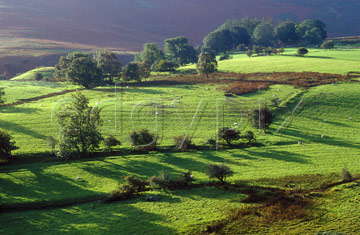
(314, 131)
(47, 72)
(16, 91)
(339, 61)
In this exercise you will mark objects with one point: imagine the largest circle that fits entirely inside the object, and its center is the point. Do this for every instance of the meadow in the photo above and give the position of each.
(314, 133)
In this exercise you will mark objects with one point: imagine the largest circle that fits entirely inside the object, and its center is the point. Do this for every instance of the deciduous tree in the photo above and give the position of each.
(79, 128)
(206, 64)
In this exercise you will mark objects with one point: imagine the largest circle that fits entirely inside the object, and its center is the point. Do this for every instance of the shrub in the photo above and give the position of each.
(228, 135)
(135, 183)
(6, 145)
(38, 76)
(241, 47)
(220, 172)
(110, 142)
(249, 136)
(162, 181)
(225, 57)
(187, 177)
(346, 175)
(182, 142)
(302, 51)
(211, 141)
(249, 53)
(262, 118)
(143, 140)
(328, 45)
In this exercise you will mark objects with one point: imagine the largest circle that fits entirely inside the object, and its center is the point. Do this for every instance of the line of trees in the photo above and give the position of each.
(263, 33)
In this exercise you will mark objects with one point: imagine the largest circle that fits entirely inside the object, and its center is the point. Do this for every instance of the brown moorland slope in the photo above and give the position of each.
(43, 27)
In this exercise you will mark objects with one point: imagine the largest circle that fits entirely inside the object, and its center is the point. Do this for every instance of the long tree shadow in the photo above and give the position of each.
(115, 218)
(10, 126)
(280, 156)
(317, 139)
(17, 109)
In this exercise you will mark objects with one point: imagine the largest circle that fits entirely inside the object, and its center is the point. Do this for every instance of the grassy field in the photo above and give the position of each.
(339, 61)
(314, 132)
(47, 72)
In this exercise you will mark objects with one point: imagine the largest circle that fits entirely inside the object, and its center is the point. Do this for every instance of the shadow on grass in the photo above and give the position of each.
(10, 126)
(17, 109)
(119, 218)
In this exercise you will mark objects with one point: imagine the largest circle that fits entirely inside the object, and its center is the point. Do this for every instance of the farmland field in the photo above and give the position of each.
(314, 134)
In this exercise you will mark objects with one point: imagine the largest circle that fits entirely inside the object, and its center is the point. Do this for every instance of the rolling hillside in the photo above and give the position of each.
(35, 33)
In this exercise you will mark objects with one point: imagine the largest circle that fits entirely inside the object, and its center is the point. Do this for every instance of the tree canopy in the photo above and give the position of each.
(312, 32)
(285, 32)
(206, 64)
(264, 34)
(108, 63)
(6, 145)
(79, 128)
(179, 50)
(2, 94)
(151, 54)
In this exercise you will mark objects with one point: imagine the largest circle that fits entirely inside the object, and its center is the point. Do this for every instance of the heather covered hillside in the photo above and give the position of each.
(127, 24)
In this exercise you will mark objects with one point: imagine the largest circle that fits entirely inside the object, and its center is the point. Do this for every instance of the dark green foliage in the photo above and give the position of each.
(83, 71)
(212, 142)
(163, 181)
(143, 137)
(206, 64)
(131, 72)
(151, 54)
(182, 142)
(328, 45)
(108, 64)
(228, 135)
(2, 94)
(264, 34)
(6, 145)
(164, 66)
(219, 41)
(144, 70)
(262, 118)
(137, 184)
(311, 32)
(302, 51)
(51, 143)
(220, 172)
(241, 47)
(346, 175)
(225, 57)
(133, 187)
(285, 32)
(38, 76)
(179, 51)
(249, 136)
(79, 128)
(249, 53)
(249, 24)
(111, 142)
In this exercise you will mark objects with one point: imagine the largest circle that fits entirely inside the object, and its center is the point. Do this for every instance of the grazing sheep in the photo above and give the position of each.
(350, 118)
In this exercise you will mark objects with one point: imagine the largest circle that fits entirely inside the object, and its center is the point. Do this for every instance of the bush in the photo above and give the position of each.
(328, 45)
(110, 142)
(38, 76)
(346, 175)
(220, 172)
(262, 118)
(135, 183)
(6, 145)
(212, 142)
(162, 181)
(182, 142)
(228, 135)
(302, 51)
(225, 57)
(130, 189)
(249, 136)
(241, 47)
(143, 140)
(249, 53)
(164, 66)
